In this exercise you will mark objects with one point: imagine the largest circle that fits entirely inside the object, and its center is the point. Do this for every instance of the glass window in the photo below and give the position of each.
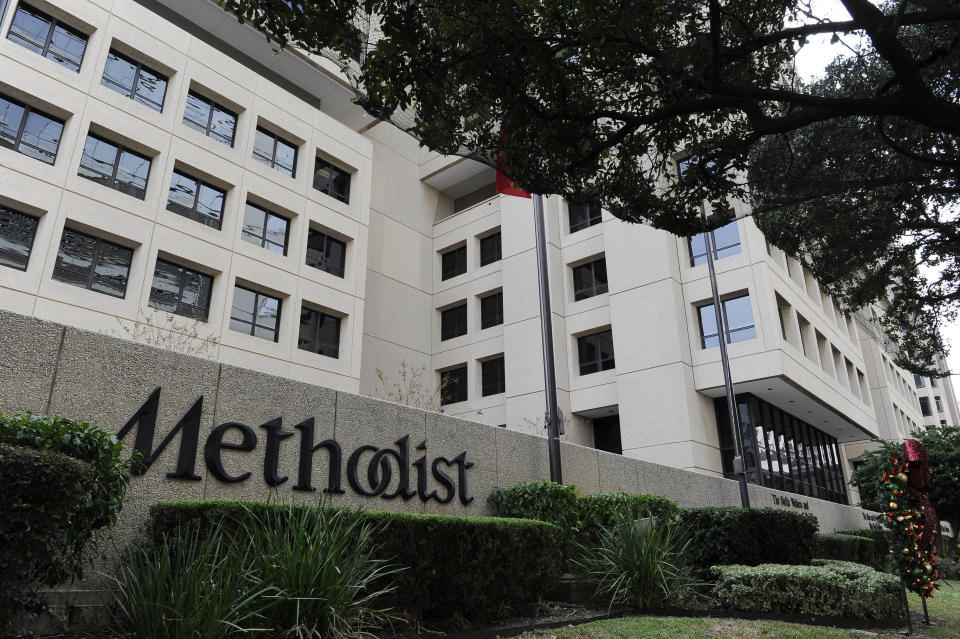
(490, 249)
(583, 216)
(326, 253)
(491, 310)
(453, 263)
(590, 279)
(255, 314)
(29, 131)
(939, 403)
(276, 152)
(93, 263)
(134, 80)
(331, 180)
(196, 200)
(726, 242)
(453, 386)
(210, 119)
(115, 167)
(453, 322)
(595, 352)
(266, 229)
(737, 317)
(493, 381)
(17, 231)
(179, 290)
(47, 36)
(925, 407)
(319, 333)
(918, 380)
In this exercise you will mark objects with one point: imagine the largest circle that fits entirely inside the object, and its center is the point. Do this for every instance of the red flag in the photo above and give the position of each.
(505, 185)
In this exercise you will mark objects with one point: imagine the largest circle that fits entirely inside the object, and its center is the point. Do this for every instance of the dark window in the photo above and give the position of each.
(606, 434)
(454, 263)
(737, 317)
(726, 242)
(933, 382)
(595, 352)
(266, 229)
(319, 333)
(196, 200)
(453, 322)
(590, 279)
(583, 216)
(925, 407)
(47, 36)
(939, 403)
(179, 290)
(255, 314)
(453, 386)
(134, 80)
(490, 249)
(29, 131)
(89, 262)
(115, 167)
(326, 253)
(209, 118)
(331, 180)
(918, 380)
(492, 372)
(17, 231)
(276, 152)
(491, 310)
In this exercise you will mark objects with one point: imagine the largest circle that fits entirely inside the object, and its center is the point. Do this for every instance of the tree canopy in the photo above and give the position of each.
(597, 101)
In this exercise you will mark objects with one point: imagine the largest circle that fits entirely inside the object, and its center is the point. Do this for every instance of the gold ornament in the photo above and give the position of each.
(893, 505)
(927, 568)
(901, 478)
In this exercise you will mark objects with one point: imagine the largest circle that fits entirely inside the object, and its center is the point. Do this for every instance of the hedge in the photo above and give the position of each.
(468, 566)
(829, 588)
(596, 512)
(861, 550)
(746, 536)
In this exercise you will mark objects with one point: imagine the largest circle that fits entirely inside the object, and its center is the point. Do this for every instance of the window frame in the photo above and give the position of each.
(134, 90)
(94, 262)
(54, 24)
(595, 288)
(194, 213)
(713, 244)
(263, 239)
(318, 346)
(272, 162)
(601, 363)
(184, 270)
(6, 210)
(18, 138)
(484, 241)
(593, 215)
(339, 270)
(453, 255)
(497, 385)
(445, 396)
(726, 324)
(925, 409)
(459, 320)
(121, 149)
(342, 197)
(253, 324)
(497, 318)
(207, 130)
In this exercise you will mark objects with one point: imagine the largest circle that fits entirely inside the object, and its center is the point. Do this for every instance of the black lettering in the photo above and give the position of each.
(146, 419)
(462, 466)
(444, 479)
(215, 444)
(307, 449)
(421, 466)
(403, 463)
(354, 479)
(271, 456)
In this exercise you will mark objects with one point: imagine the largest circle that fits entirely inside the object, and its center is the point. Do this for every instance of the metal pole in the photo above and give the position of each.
(906, 606)
(733, 415)
(546, 332)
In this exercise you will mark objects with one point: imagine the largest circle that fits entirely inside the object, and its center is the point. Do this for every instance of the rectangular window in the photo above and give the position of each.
(453, 386)
(453, 322)
(917, 380)
(179, 290)
(491, 310)
(196, 200)
(319, 333)
(275, 152)
(493, 381)
(925, 407)
(134, 80)
(590, 279)
(726, 242)
(115, 167)
(255, 314)
(29, 131)
(210, 119)
(490, 249)
(92, 263)
(737, 317)
(331, 180)
(266, 229)
(48, 37)
(595, 352)
(583, 216)
(933, 382)
(939, 403)
(326, 253)
(453, 263)
(17, 231)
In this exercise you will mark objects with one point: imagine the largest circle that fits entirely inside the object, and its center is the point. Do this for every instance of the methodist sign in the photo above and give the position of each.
(449, 474)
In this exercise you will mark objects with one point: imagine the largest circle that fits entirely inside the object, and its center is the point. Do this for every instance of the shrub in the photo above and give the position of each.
(830, 588)
(605, 510)
(540, 500)
(861, 550)
(747, 536)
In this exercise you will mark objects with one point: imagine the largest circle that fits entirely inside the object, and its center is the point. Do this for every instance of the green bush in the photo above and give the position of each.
(861, 550)
(596, 513)
(43, 495)
(540, 500)
(747, 536)
(830, 588)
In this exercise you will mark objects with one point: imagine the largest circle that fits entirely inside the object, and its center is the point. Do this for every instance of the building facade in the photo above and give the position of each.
(166, 176)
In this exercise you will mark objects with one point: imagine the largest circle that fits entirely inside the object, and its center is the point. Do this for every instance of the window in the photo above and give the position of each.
(590, 279)
(493, 381)
(134, 80)
(726, 242)
(29, 131)
(115, 167)
(737, 317)
(453, 386)
(917, 380)
(453, 263)
(326, 253)
(933, 382)
(89, 262)
(595, 352)
(925, 407)
(17, 231)
(453, 322)
(583, 216)
(939, 403)
(491, 310)
(266, 229)
(255, 314)
(319, 333)
(47, 36)
(210, 119)
(331, 180)
(275, 152)
(196, 200)
(179, 290)
(473, 198)
(490, 249)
